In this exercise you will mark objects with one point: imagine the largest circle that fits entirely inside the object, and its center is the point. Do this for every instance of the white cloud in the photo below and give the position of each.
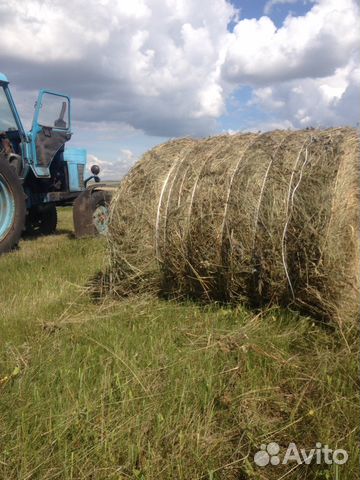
(269, 5)
(151, 63)
(167, 67)
(324, 102)
(313, 45)
(305, 73)
(113, 169)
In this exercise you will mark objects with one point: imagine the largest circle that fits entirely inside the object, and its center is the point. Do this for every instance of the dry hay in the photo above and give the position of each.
(263, 219)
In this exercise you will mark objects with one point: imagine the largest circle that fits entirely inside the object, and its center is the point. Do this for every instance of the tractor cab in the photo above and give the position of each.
(50, 131)
(40, 153)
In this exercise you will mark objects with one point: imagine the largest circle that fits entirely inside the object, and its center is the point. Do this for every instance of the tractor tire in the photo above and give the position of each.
(41, 220)
(91, 213)
(12, 208)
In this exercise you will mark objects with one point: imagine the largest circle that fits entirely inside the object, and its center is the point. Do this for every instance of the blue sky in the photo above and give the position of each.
(278, 11)
(142, 71)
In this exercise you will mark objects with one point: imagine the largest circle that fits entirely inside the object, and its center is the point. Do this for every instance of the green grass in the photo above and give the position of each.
(147, 389)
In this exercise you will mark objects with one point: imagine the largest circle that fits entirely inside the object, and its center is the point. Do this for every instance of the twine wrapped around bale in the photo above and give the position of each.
(268, 218)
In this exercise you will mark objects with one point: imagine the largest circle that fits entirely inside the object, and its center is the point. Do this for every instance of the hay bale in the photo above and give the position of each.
(263, 219)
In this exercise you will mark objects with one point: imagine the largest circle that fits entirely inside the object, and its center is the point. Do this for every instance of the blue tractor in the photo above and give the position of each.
(37, 172)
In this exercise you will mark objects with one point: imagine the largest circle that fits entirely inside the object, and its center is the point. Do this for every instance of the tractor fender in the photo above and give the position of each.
(91, 212)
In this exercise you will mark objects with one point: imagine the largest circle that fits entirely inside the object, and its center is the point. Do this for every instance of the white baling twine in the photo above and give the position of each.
(263, 188)
(290, 201)
(211, 155)
(157, 249)
(181, 186)
(250, 144)
(178, 164)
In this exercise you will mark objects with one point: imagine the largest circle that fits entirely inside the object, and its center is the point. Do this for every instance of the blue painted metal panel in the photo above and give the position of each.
(15, 112)
(76, 161)
(40, 170)
(3, 78)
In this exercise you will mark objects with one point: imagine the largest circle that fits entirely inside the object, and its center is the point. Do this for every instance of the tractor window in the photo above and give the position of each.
(54, 111)
(7, 120)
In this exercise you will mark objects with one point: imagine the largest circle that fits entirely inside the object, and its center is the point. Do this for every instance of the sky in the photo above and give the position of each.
(142, 71)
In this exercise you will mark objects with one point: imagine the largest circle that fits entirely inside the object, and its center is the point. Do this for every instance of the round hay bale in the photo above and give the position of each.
(263, 219)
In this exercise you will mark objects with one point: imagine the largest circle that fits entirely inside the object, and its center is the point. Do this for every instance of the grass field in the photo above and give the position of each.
(147, 389)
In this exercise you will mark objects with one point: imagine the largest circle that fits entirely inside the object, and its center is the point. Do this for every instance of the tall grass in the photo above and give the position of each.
(147, 389)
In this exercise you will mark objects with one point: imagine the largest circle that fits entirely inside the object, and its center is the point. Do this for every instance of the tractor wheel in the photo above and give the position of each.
(41, 220)
(12, 208)
(91, 213)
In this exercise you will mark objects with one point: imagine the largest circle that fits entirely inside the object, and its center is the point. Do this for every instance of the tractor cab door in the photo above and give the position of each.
(50, 130)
